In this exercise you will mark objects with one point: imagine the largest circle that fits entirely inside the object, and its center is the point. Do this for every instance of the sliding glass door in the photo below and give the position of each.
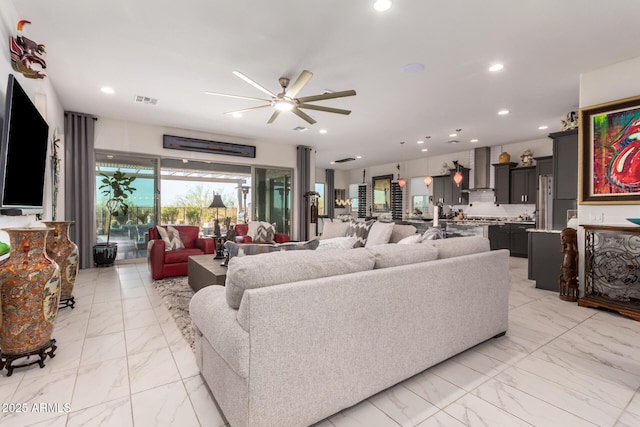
(272, 194)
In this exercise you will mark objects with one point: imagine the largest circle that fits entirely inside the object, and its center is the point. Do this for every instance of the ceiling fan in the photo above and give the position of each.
(286, 100)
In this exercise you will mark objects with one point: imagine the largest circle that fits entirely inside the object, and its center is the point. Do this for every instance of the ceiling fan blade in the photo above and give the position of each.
(248, 109)
(327, 109)
(254, 84)
(273, 117)
(326, 96)
(237, 96)
(303, 115)
(302, 80)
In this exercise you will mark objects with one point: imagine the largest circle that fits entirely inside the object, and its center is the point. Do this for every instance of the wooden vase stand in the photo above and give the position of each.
(42, 353)
(67, 302)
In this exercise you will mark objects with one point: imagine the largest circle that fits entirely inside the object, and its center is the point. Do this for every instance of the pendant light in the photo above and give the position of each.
(428, 180)
(457, 177)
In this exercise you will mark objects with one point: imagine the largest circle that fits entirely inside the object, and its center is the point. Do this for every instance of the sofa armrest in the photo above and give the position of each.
(155, 258)
(206, 244)
(244, 239)
(281, 238)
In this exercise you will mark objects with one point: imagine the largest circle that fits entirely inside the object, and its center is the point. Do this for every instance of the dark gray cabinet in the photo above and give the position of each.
(437, 189)
(545, 259)
(501, 187)
(445, 191)
(565, 175)
(523, 185)
(544, 165)
(510, 236)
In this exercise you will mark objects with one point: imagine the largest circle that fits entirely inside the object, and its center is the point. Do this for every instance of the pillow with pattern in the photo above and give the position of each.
(264, 234)
(359, 230)
(243, 249)
(171, 238)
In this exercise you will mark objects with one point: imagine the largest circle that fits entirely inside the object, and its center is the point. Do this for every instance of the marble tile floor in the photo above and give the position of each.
(121, 361)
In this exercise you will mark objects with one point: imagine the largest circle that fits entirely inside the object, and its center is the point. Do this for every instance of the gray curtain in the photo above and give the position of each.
(329, 197)
(80, 182)
(303, 165)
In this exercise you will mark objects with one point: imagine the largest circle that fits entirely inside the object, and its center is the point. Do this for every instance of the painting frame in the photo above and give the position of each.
(605, 137)
(382, 183)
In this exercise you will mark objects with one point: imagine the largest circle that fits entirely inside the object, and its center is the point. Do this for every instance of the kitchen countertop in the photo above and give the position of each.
(540, 230)
(479, 222)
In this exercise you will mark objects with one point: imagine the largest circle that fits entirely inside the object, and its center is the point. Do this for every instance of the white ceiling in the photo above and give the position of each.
(175, 50)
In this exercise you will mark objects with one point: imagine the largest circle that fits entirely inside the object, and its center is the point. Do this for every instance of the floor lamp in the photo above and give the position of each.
(218, 203)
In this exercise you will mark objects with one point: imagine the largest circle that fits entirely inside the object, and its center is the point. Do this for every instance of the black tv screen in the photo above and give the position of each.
(23, 151)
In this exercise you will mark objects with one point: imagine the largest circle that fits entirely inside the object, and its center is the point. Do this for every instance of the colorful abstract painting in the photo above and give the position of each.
(611, 150)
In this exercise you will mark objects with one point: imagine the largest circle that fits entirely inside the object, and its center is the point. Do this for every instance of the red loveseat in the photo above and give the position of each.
(174, 263)
(243, 229)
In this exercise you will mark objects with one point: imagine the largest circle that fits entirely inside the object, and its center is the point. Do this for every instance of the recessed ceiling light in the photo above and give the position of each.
(496, 67)
(237, 115)
(453, 135)
(474, 140)
(420, 142)
(109, 156)
(424, 150)
(503, 112)
(358, 157)
(107, 90)
(453, 141)
(382, 5)
(333, 163)
(543, 127)
(413, 68)
(322, 131)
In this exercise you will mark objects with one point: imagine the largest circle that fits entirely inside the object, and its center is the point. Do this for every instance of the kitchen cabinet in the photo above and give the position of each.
(511, 236)
(502, 181)
(545, 259)
(445, 191)
(523, 185)
(544, 165)
(565, 175)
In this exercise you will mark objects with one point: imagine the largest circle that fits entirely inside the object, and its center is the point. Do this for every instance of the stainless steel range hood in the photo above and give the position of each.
(482, 169)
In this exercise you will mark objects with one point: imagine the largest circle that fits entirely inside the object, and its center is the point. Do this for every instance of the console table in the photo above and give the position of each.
(612, 269)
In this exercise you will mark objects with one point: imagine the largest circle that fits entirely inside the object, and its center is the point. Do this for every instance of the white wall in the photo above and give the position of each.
(607, 84)
(46, 100)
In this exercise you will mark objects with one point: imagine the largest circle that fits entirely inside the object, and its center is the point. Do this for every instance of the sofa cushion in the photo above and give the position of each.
(399, 232)
(392, 255)
(171, 237)
(379, 234)
(458, 246)
(334, 229)
(275, 268)
(172, 257)
(264, 233)
(336, 243)
(409, 240)
(359, 230)
(242, 249)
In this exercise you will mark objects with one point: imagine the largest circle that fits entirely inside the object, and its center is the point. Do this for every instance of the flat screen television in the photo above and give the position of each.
(23, 151)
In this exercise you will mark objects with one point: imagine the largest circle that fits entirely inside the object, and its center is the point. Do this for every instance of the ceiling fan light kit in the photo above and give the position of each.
(286, 100)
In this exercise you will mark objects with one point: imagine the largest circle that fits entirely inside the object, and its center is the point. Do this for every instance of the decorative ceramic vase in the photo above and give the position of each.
(504, 157)
(30, 291)
(65, 253)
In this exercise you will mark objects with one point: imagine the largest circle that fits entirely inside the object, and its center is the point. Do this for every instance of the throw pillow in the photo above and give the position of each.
(401, 231)
(416, 238)
(432, 233)
(243, 249)
(171, 238)
(359, 230)
(336, 243)
(264, 234)
(379, 234)
(334, 229)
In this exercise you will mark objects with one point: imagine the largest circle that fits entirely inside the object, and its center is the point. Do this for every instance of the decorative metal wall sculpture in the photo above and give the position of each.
(25, 54)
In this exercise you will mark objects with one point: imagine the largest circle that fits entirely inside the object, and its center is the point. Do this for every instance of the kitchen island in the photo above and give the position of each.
(545, 258)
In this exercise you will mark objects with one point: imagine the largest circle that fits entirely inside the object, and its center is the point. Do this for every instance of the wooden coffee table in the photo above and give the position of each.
(205, 271)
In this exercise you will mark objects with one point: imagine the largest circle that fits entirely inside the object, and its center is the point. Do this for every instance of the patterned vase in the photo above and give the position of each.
(30, 291)
(65, 253)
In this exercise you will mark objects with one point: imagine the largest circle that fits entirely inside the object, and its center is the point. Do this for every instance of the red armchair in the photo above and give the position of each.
(242, 230)
(174, 263)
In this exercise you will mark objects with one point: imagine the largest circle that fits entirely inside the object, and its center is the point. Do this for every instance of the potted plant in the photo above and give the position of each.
(117, 188)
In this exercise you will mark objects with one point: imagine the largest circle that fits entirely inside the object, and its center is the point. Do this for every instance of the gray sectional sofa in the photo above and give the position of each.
(295, 337)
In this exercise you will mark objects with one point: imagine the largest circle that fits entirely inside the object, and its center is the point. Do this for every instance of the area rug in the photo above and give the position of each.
(176, 295)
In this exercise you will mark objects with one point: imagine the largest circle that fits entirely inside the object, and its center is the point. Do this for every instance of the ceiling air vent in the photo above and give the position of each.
(146, 100)
(348, 159)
